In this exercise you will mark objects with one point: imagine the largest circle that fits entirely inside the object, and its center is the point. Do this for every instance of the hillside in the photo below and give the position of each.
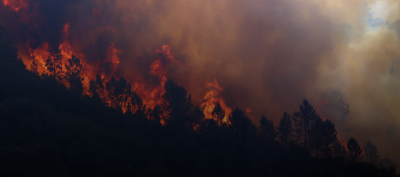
(49, 130)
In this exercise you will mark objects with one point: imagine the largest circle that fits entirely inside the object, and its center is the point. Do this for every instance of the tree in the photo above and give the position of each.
(354, 150)
(387, 164)
(73, 74)
(135, 104)
(371, 153)
(304, 119)
(96, 88)
(110, 87)
(218, 114)
(209, 127)
(266, 129)
(54, 61)
(177, 104)
(285, 129)
(241, 124)
(122, 92)
(93, 89)
(197, 116)
(155, 113)
(34, 67)
(322, 135)
(339, 151)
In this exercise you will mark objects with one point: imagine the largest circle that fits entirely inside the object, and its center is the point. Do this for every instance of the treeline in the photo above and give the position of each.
(47, 129)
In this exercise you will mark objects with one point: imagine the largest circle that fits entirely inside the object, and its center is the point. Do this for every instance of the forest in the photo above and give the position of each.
(51, 126)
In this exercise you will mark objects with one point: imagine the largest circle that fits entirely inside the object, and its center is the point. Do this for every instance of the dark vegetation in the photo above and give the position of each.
(49, 130)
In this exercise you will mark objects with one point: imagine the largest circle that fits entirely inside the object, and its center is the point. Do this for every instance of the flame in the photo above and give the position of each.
(211, 99)
(16, 5)
(113, 57)
(39, 54)
(153, 96)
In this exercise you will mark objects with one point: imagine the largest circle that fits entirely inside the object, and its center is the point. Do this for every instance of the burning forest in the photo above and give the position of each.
(210, 82)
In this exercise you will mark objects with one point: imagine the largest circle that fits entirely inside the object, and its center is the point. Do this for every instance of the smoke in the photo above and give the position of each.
(268, 55)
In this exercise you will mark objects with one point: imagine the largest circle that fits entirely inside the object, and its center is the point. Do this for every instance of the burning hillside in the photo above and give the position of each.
(266, 55)
(100, 76)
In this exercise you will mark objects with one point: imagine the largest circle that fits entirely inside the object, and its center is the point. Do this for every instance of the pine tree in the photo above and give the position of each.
(122, 92)
(354, 150)
(322, 135)
(34, 67)
(241, 124)
(54, 62)
(218, 114)
(304, 119)
(285, 130)
(266, 129)
(110, 87)
(371, 153)
(73, 74)
(177, 104)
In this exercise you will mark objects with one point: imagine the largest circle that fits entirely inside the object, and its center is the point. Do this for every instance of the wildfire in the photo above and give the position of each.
(150, 95)
(211, 99)
(16, 5)
(153, 97)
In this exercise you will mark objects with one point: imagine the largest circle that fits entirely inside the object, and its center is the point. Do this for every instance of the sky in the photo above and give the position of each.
(267, 55)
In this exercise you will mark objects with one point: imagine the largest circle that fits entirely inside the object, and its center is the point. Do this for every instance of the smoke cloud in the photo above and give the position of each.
(267, 55)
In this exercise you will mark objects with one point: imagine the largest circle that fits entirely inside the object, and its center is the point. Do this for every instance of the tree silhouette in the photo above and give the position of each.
(304, 119)
(73, 74)
(54, 61)
(218, 114)
(96, 88)
(122, 92)
(371, 153)
(135, 104)
(93, 89)
(354, 150)
(322, 135)
(209, 127)
(285, 129)
(197, 117)
(155, 113)
(339, 151)
(241, 124)
(178, 105)
(266, 129)
(47, 130)
(110, 87)
(34, 67)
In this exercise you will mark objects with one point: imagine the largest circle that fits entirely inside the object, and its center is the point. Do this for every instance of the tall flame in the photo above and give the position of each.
(211, 99)
(150, 95)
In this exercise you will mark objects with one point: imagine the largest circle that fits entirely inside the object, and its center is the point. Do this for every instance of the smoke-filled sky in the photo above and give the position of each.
(268, 55)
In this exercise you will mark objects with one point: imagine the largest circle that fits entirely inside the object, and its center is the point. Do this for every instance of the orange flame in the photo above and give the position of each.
(16, 5)
(211, 99)
(150, 95)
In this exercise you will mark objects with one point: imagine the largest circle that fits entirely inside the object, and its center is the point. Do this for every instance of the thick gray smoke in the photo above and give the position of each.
(268, 55)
